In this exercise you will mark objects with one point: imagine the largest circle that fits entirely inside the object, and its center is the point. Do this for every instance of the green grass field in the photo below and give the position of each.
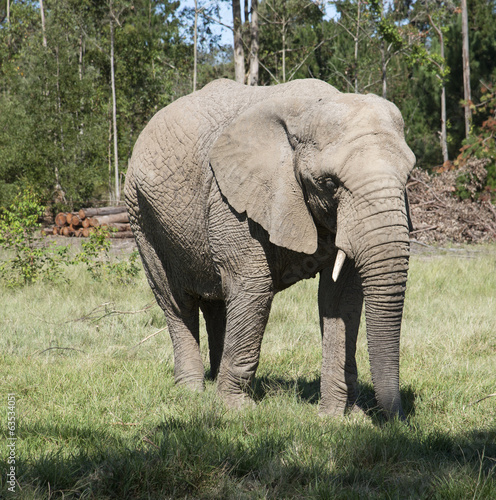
(99, 418)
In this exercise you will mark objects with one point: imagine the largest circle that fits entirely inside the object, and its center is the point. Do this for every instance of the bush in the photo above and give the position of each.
(481, 145)
(99, 263)
(32, 259)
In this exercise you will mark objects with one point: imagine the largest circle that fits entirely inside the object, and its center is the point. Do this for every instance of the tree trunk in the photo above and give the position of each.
(239, 54)
(384, 69)
(59, 192)
(43, 31)
(357, 37)
(114, 108)
(444, 132)
(195, 49)
(284, 50)
(254, 66)
(467, 94)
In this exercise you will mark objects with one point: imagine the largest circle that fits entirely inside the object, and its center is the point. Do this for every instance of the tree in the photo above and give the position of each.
(466, 68)
(56, 101)
(114, 18)
(291, 34)
(239, 53)
(254, 44)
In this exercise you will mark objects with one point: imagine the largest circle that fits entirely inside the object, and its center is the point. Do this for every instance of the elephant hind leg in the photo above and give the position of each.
(214, 313)
(183, 324)
(182, 315)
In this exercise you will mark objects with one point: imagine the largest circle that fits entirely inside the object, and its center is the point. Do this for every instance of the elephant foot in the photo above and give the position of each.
(193, 384)
(340, 411)
(238, 401)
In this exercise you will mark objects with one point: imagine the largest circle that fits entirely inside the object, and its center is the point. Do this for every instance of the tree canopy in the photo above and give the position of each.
(58, 131)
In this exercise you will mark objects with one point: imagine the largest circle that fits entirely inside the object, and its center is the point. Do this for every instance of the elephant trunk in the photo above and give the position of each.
(383, 313)
(381, 253)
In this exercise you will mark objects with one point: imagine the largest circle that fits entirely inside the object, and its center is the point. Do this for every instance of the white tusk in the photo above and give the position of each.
(338, 265)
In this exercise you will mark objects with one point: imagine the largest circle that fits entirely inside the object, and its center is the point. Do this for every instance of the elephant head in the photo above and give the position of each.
(300, 166)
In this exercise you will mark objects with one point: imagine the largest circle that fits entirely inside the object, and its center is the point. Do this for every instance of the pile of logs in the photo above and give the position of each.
(81, 224)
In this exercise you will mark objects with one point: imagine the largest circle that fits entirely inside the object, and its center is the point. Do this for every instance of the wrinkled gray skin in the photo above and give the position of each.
(234, 193)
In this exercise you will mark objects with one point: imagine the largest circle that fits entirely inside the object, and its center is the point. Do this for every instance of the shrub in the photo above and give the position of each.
(96, 255)
(481, 145)
(32, 259)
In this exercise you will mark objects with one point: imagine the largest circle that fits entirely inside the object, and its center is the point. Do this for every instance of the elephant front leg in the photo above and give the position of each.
(246, 319)
(340, 306)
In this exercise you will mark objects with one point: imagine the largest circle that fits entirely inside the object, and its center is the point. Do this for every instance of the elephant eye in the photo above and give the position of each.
(328, 183)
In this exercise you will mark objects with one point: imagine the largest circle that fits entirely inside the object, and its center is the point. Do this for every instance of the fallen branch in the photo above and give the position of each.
(147, 338)
(93, 314)
(149, 441)
(431, 228)
(482, 399)
(61, 348)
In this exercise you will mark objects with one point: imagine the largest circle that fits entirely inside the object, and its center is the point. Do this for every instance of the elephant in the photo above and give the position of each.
(235, 193)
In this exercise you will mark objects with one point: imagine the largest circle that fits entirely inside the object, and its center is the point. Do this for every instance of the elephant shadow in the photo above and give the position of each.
(309, 391)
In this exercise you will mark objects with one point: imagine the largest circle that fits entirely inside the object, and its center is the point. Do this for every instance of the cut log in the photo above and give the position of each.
(103, 220)
(91, 212)
(61, 219)
(122, 234)
(120, 226)
(86, 232)
(86, 223)
(68, 218)
(76, 221)
(55, 231)
(67, 231)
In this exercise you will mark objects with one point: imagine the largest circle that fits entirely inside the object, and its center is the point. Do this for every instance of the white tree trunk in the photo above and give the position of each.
(384, 69)
(195, 50)
(254, 65)
(357, 37)
(42, 13)
(239, 53)
(444, 132)
(467, 94)
(114, 109)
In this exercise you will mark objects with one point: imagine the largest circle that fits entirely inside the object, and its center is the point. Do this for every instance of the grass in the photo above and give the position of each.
(97, 418)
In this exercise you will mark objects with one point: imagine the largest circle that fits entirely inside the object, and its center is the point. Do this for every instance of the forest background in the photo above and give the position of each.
(79, 79)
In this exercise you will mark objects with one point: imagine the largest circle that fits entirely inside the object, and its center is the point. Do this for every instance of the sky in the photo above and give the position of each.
(226, 16)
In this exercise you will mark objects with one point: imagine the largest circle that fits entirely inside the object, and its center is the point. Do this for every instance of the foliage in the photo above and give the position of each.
(96, 255)
(292, 38)
(481, 145)
(55, 97)
(31, 260)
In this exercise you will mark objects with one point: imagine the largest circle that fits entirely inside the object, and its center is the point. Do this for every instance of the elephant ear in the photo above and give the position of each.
(253, 162)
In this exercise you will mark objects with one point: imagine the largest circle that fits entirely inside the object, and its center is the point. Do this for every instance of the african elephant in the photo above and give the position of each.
(235, 193)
